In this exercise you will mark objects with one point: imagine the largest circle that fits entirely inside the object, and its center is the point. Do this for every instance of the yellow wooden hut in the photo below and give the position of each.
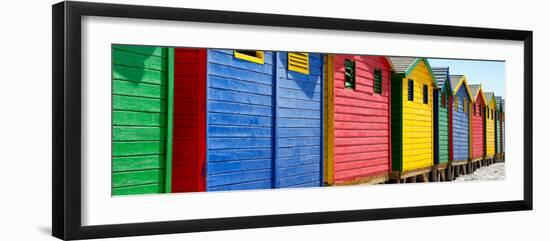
(412, 119)
(490, 116)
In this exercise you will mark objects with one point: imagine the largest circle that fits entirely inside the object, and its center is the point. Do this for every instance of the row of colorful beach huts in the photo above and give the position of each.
(195, 119)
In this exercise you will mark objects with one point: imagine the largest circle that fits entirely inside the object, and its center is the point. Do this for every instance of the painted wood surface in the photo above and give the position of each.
(497, 135)
(490, 125)
(328, 141)
(441, 129)
(503, 125)
(498, 132)
(264, 122)
(298, 123)
(396, 115)
(139, 97)
(240, 111)
(361, 124)
(189, 120)
(461, 123)
(412, 125)
(478, 128)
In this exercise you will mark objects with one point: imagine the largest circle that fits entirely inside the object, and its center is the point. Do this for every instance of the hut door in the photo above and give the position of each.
(188, 153)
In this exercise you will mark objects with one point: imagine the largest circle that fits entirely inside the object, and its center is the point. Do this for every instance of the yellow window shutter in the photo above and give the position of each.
(250, 55)
(298, 62)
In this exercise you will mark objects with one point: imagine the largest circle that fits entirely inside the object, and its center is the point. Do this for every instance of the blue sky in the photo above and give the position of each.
(490, 74)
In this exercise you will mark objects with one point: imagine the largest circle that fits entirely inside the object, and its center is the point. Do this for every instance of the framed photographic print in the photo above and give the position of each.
(172, 120)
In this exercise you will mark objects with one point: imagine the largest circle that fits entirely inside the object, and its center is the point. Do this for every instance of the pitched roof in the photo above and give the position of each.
(456, 81)
(488, 96)
(441, 75)
(475, 90)
(390, 62)
(402, 64)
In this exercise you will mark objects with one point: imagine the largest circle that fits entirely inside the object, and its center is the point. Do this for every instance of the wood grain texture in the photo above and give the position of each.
(139, 87)
(328, 158)
(264, 122)
(498, 125)
(490, 129)
(478, 126)
(240, 121)
(360, 132)
(461, 125)
(298, 116)
(189, 150)
(397, 121)
(443, 129)
(417, 119)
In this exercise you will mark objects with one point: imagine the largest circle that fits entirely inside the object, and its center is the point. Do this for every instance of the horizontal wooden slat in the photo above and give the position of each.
(121, 179)
(139, 189)
(138, 162)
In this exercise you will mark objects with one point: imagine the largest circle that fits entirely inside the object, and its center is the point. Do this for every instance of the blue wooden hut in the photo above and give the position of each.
(264, 120)
(460, 121)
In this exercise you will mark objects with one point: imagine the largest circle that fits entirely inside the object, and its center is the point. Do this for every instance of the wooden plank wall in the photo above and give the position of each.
(189, 120)
(398, 88)
(461, 126)
(262, 133)
(299, 124)
(443, 130)
(497, 135)
(503, 126)
(478, 145)
(503, 129)
(139, 119)
(240, 120)
(361, 120)
(418, 139)
(328, 121)
(490, 130)
(498, 132)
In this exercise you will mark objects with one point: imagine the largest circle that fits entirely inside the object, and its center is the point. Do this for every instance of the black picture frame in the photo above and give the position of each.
(66, 122)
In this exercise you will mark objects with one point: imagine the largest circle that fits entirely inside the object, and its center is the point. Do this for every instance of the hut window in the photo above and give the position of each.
(425, 94)
(443, 100)
(378, 81)
(350, 74)
(480, 110)
(250, 55)
(298, 62)
(410, 90)
(475, 110)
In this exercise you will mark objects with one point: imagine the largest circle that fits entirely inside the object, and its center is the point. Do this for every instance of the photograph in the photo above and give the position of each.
(172, 119)
(188, 119)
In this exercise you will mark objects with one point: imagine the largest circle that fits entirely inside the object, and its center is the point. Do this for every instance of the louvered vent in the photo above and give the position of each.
(298, 62)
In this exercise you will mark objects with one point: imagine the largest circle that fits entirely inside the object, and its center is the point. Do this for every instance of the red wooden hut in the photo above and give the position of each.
(477, 133)
(357, 119)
